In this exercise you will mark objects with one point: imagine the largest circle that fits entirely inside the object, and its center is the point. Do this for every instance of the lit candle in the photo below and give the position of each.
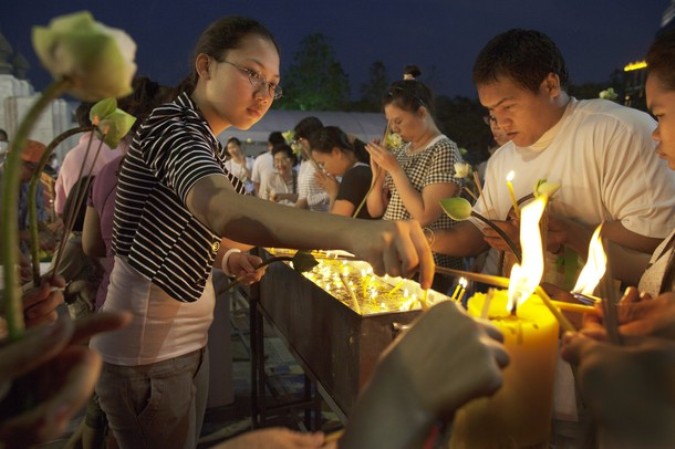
(364, 282)
(398, 285)
(594, 269)
(512, 193)
(519, 414)
(455, 294)
(462, 283)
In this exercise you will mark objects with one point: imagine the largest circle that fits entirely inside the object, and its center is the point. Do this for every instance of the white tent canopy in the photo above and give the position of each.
(366, 126)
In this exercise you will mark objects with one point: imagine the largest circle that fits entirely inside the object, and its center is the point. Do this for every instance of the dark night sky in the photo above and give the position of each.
(595, 36)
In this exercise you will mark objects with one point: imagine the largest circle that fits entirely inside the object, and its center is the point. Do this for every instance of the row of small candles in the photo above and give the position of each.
(354, 283)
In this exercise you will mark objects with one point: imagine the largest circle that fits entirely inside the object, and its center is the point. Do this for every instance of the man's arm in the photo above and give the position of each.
(465, 239)
(627, 251)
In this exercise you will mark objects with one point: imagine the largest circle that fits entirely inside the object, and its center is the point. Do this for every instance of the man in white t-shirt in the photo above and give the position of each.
(263, 166)
(601, 153)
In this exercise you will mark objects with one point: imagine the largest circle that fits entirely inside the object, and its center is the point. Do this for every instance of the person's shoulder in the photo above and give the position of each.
(444, 143)
(358, 172)
(599, 111)
(111, 166)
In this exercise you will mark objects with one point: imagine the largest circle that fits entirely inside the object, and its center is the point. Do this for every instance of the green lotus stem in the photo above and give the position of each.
(9, 227)
(365, 197)
(502, 234)
(32, 200)
(79, 195)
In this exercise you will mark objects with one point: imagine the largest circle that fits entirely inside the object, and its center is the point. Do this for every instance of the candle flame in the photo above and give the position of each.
(510, 175)
(525, 279)
(595, 267)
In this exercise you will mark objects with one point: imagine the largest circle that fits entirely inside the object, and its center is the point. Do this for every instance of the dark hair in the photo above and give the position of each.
(82, 114)
(276, 138)
(329, 137)
(283, 148)
(234, 140)
(410, 94)
(525, 56)
(220, 37)
(412, 70)
(661, 59)
(147, 95)
(306, 127)
(3, 134)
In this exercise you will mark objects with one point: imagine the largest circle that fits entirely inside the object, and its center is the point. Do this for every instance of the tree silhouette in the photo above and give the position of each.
(373, 89)
(315, 81)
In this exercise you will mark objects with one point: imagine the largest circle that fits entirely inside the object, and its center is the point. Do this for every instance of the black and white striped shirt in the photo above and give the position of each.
(173, 149)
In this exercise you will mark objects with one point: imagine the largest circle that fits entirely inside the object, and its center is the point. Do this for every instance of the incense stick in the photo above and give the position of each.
(486, 305)
(564, 322)
(476, 179)
(357, 307)
(503, 282)
(571, 307)
(333, 436)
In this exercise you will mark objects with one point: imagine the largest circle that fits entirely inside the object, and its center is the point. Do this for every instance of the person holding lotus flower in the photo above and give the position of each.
(343, 160)
(599, 152)
(236, 56)
(409, 181)
(178, 213)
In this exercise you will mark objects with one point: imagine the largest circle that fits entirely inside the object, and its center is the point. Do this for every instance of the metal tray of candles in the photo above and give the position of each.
(338, 318)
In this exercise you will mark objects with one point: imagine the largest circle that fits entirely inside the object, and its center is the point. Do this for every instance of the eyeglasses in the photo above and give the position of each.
(258, 81)
(488, 119)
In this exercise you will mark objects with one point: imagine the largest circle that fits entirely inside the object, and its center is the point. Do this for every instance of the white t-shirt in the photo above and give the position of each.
(262, 166)
(239, 171)
(308, 189)
(162, 328)
(275, 183)
(603, 156)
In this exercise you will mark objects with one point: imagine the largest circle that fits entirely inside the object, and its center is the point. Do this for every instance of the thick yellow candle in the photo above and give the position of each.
(519, 414)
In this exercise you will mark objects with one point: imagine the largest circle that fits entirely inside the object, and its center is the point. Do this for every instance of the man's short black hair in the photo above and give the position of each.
(525, 56)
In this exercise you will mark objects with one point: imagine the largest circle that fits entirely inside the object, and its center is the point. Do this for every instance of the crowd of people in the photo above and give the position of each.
(173, 204)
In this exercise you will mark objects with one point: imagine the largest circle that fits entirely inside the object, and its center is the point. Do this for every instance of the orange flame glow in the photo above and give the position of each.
(525, 279)
(595, 266)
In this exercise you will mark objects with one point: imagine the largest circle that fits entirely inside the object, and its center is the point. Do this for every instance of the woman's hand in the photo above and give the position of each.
(39, 304)
(642, 316)
(60, 371)
(628, 388)
(244, 267)
(445, 359)
(382, 158)
(327, 183)
(397, 248)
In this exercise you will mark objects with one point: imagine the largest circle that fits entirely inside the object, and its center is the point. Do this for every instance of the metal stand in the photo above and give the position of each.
(261, 410)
